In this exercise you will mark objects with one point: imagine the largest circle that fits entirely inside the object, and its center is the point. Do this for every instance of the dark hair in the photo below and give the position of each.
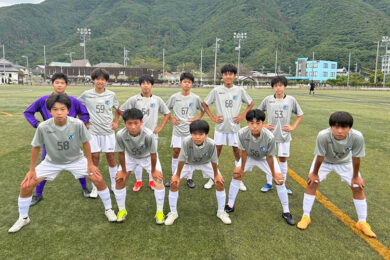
(341, 118)
(229, 68)
(187, 75)
(279, 79)
(60, 98)
(59, 75)
(255, 113)
(99, 72)
(146, 78)
(199, 126)
(132, 113)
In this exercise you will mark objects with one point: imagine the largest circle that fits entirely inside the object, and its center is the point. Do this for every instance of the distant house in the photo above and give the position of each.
(108, 65)
(386, 63)
(342, 72)
(80, 63)
(316, 70)
(59, 64)
(38, 70)
(11, 72)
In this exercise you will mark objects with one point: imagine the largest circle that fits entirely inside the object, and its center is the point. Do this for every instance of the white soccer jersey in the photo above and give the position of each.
(257, 148)
(139, 146)
(196, 155)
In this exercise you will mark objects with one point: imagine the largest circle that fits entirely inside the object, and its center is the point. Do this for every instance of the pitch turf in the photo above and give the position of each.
(66, 226)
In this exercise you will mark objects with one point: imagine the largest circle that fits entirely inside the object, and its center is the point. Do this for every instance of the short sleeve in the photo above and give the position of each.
(297, 109)
(321, 144)
(263, 105)
(115, 102)
(211, 97)
(85, 136)
(163, 109)
(119, 145)
(245, 98)
(271, 149)
(358, 147)
(82, 98)
(153, 144)
(214, 156)
(171, 102)
(38, 138)
(183, 156)
(199, 104)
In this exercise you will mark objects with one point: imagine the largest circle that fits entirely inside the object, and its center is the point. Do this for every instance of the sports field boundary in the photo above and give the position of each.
(5, 113)
(348, 221)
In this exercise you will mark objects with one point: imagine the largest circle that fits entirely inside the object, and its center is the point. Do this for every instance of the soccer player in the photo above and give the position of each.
(279, 108)
(198, 153)
(140, 146)
(151, 106)
(228, 100)
(339, 149)
(257, 148)
(61, 136)
(100, 102)
(184, 105)
(59, 81)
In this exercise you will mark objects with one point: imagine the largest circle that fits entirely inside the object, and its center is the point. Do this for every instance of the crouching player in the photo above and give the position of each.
(257, 147)
(339, 149)
(61, 136)
(140, 145)
(198, 153)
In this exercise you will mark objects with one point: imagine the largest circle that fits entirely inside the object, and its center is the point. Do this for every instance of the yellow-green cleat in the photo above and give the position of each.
(159, 217)
(121, 215)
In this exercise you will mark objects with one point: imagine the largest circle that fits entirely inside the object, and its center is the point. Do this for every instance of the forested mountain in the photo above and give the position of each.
(295, 28)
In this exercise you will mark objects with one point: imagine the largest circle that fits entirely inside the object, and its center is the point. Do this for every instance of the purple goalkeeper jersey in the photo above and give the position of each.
(77, 108)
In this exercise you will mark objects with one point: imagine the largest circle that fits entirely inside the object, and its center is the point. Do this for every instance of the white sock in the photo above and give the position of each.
(283, 197)
(173, 197)
(361, 209)
(93, 186)
(269, 179)
(120, 196)
(221, 199)
(237, 163)
(112, 171)
(24, 206)
(150, 176)
(283, 168)
(175, 162)
(233, 191)
(138, 173)
(105, 197)
(308, 201)
(159, 195)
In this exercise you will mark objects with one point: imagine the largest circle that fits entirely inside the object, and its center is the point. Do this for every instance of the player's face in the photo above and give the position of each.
(100, 82)
(146, 88)
(228, 78)
(186, 84)
(255, 126)
(133, 126)
(340, 132)
(198, 137)
(59, 112)
(279, 89)
(59, 86)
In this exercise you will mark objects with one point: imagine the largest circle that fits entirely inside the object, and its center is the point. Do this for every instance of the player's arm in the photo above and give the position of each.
(92, 169)
(197, 117)
(239, 172)
(31, 176)
(122, 174)
(289, 128)
(160, 127)
(239, 118)
(155, 173)
(114, 124)
(218, 119)
(29, 113)
(82, 112)
(313, 176)
(277, 176)
(217, 177)
(357, 181)
(175, 180)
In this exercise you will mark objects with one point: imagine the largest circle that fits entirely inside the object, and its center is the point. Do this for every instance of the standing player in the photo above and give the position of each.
(279, 108)
(140, 146)
(61, 136)
(151, 106)
(59, 81)
(198, 153)
(257, 147)
(339, 149)
(228, 100)
(100, 102)
(184, 105)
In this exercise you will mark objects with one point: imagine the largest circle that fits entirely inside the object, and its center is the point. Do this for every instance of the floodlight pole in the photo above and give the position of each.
(240, 37)
(201, 66)
(85, 34)
(215, 58)
(44, 63)
(385, 41)
(163, 64)
(28, 70)
(276, 61)
(4, 75)
(376, 63)
(349, 65)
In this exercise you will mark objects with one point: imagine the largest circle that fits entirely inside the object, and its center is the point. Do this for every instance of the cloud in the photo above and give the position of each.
(14, 2)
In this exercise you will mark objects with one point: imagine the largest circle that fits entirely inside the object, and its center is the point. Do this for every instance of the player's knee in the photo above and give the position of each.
(176, 153)
(174, 187)
(158, 184)
(26, 187)
(219, 186)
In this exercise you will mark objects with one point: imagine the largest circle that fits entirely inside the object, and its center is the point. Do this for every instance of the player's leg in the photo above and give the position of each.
(283, 154)
(112, 168)
(152, 183)
(220, 194)
(38, 197)
(220, 141)
(96, 148)
(233, 142)
(175, 155)
(96, 161)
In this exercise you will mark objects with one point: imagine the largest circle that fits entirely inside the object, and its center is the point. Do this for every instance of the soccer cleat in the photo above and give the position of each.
(289, 218)
(21, 222)
(190, 183)
(137, 186)
(121, 217)
(365, 228)
(171, 217)
(228, 209)
(242, 187)
(35, 200)
(305, 221)
(289, 192)
(85, 193)
(266, 188)
(168, 184)
(151, 184)
(209, 184)
(159, 217)
(222, 215)
(110, 214)
(94, 193)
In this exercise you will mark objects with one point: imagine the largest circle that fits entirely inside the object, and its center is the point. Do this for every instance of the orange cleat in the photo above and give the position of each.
(305, 221)
(365, 228)
(137, 186)
(151, 184)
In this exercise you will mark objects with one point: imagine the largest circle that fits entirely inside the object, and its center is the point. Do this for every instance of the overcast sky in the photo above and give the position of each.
(14, 2)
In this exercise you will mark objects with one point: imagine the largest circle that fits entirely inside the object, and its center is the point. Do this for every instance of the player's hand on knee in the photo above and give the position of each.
(357, 183)
(278, 178)
(218, 180)
(120, 176)
(238, 173)
(30, 179)
(175, 182)
(93, 170)
(313, 179)
(157, 176)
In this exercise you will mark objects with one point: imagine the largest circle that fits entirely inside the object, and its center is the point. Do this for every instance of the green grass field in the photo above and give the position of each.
(67, 226)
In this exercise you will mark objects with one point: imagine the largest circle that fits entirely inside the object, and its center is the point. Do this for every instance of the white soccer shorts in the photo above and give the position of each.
(177, 141)
(283, 149)
(102, 143)
(207, 170)
(344, 170)
(49, 171)
(220, 138)
(262, 165)
(133, 163)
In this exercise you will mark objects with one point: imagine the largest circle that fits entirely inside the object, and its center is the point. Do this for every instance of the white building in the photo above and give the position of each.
(11, 75)
(386, 63)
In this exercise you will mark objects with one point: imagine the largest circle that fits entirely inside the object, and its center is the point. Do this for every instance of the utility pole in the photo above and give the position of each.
(44, 63)
(28, 70)
(85, 34)
(276, 61)
(201, 66)
(215, 58)
(356, 67)
(240, 37)
(376, 63)
(163, 64)
(70, 56)
(4, 75)
(349, 65)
